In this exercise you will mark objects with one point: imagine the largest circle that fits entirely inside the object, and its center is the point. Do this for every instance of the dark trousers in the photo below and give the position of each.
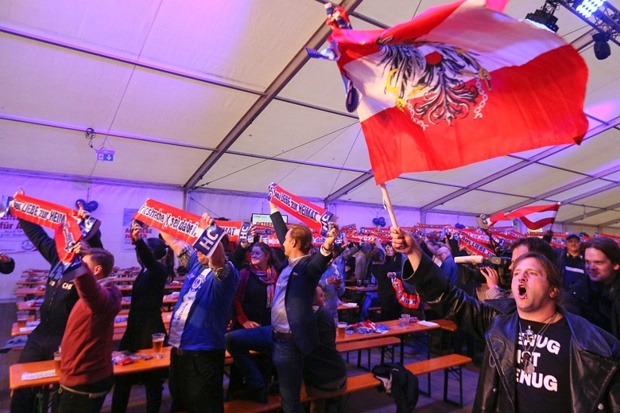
(153, 385)
(84, 399)
(196, 381)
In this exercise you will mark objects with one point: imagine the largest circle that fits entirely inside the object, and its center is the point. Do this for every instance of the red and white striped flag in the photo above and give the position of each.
(461, 83)
(533, 217)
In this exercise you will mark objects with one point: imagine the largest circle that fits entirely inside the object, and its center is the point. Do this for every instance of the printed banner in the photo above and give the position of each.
(147, 232)
(180, 224)
(310, 214)
(473, 247)
(238, 231)
(12, 237)
(68, 226)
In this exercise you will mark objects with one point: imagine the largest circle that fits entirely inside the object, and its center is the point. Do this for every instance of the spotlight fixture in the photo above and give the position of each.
(587, 7)
(544, 17)
(601, 46)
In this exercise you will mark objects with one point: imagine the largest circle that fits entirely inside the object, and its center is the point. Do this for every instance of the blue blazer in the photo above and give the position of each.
(300, 292)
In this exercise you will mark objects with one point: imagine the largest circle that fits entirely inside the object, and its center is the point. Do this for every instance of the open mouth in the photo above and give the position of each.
(522, 292)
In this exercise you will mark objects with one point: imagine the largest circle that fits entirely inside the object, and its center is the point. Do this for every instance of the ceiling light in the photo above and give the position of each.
(587, 7)
(601, 46)
(544, 17)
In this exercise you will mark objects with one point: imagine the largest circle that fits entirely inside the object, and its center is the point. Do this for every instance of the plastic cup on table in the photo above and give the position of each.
(342, 329)
(158, 344)
(22, 318)
(57, 359)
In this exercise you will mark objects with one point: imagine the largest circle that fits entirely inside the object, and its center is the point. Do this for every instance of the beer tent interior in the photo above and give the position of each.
(205, 103)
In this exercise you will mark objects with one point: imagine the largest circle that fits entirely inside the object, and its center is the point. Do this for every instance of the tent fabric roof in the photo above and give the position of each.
(221, 96)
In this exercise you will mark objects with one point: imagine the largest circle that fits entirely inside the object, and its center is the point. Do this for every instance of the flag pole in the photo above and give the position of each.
(387, 203)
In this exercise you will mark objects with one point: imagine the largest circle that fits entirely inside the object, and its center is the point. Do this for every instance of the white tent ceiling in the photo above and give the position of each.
(220, 95)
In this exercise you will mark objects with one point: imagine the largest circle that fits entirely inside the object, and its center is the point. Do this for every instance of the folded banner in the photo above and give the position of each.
(533, 217)
(310, 214)
(464, 76)
(407, 300)
(180, 224)
(68, 226)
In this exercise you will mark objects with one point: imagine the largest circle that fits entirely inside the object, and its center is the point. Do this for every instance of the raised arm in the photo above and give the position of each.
(437, 290)
(177, 246)
(278, 222)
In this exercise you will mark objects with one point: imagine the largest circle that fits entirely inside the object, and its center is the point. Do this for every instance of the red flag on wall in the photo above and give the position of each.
(461, 83)
(533, 217)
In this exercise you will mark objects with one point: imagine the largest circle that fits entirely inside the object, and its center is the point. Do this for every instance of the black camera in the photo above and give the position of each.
(500, 264)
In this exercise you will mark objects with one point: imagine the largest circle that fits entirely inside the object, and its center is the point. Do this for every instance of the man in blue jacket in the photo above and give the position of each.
(197, 327)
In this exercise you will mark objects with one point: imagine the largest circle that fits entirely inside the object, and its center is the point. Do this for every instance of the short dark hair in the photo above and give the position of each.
(102, 257)
(303, 236)
(606, 245)
(535, 244)
(377, 254)
(158, 247)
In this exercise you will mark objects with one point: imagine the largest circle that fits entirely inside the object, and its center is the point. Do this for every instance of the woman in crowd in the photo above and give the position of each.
(256, 286)
(144, 318)
(252, 304)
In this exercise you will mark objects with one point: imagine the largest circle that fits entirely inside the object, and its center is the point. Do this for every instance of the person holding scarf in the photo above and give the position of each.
(256, 286)
(252, 309)
(157, 267)
(60, 297)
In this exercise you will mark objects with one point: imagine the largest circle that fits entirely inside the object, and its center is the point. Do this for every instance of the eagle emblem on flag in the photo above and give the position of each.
(435, 82)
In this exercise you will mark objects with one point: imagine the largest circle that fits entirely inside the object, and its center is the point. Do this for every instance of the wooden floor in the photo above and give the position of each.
(370, 401)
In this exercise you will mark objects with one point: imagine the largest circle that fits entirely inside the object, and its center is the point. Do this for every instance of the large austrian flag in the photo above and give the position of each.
(461, 83)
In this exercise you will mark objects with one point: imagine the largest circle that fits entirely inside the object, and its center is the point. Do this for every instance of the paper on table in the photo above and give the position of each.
(39, 375)
(26, 329)
(428, 323)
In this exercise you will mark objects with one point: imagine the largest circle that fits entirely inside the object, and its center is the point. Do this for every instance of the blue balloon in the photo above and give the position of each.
(376, 221)
(88, 206)
(382, 221)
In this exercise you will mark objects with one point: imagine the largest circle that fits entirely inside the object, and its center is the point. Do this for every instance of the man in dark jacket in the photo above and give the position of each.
(60, 297)
(570, 261)
(597, 296)
(295, 330)
(537, 358)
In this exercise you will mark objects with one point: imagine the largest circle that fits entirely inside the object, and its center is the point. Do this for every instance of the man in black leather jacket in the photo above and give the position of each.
(537, 358)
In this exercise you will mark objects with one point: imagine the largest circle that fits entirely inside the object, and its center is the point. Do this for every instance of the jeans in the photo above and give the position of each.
(370, 299)
(289, 361)
(196, 381)
(240, 342)
(84, 399)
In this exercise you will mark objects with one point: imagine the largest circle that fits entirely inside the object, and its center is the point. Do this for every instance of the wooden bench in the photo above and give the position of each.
(382, 343)
(450, 363)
